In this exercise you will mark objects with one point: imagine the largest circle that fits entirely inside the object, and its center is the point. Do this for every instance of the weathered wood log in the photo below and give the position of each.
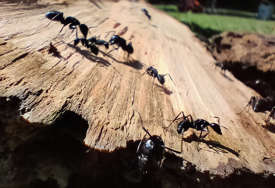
(110, 91)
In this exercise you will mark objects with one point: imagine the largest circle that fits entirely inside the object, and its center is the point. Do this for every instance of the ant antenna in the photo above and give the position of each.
(108, 32)
(169, 76)
(219, 122)
(171, 149)
(246, 106)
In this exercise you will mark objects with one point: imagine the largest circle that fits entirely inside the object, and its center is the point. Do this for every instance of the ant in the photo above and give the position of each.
(146, 13)
(121, 42)
(150, 152)
(94, 49)
(199, 124)
(91, 43)
(151, 71)
(73, 22)
(96, 41)
(260, 104)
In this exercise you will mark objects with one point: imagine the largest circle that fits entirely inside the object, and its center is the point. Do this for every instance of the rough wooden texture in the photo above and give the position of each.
(110, 93)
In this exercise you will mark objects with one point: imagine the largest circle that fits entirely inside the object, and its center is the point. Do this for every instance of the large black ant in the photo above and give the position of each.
(151, 71)
(150, 152)
(121, 42)
(73, 22)
(199, 124)
(94, 49)
(91, 43)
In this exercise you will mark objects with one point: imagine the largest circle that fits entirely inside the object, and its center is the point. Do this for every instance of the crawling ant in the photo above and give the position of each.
(73, 22)
(91, 43)
(96, 41)
(199, 124)
(150, 152)
(151, 71)
(146, 13)
(260, 104)
(121, 42)
(94, 49)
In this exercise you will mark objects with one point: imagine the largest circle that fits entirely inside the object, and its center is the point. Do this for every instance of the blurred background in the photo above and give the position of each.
(211, 17)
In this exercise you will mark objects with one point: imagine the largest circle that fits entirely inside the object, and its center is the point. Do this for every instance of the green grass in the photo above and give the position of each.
(226, 20)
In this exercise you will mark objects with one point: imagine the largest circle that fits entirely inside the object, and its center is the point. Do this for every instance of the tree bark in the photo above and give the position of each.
(112, 93)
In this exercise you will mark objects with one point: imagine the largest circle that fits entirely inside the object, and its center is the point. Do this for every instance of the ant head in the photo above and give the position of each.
(55, 16)
(114, 39)
(149, 68)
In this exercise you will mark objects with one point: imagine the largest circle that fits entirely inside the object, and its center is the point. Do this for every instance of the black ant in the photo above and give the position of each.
(58, 16)
(146, 13)
(150, 152)
(260, 104)
(151, 71)
(94, 49)
(91, 43)
(121, 42)
(94, 40)
(199, 124)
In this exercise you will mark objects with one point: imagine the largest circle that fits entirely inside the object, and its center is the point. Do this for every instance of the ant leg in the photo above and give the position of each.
(171, 149)
(109, 33)
(207, 130)
(218, 119)
(190, 116)
(146, 131)
(176, 118)
(51, 20)
(200, 135)
(76, 34)
(181, 144)
(112, 50)
(61, 29)
(140, 143)
(153, 84)
(245, 107)
(169, 76)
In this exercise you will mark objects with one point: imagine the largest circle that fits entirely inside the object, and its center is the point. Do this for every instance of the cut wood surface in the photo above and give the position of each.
(112, 93)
